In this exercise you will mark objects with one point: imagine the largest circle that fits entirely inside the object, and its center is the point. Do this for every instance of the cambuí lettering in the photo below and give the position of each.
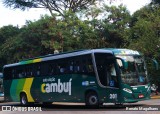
(57, 87)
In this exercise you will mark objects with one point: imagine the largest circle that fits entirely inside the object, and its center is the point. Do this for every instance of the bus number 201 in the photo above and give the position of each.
(113, 96)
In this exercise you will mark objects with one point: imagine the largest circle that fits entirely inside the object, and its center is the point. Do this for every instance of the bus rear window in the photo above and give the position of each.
(7, 73)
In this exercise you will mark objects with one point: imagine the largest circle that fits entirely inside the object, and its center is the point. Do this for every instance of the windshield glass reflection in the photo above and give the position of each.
(135, 74)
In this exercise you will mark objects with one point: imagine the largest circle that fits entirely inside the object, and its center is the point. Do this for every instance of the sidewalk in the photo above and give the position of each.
(153, 96)
(1, 99)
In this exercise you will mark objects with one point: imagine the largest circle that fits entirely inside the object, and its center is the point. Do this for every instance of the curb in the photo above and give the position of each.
(155, 97)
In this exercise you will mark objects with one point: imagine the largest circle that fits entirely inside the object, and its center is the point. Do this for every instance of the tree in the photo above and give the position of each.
(115, 25)
(145, 29)
(52, 5)
(92, 13)
(155, 2)
(6, 33)
(29, 41)
(144, 35)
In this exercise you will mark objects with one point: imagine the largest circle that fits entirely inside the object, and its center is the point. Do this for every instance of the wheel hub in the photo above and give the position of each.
(93, 100)
(23, 100)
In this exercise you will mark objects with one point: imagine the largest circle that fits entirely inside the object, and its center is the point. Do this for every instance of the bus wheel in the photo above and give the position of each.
(23, 99)
(92, 100)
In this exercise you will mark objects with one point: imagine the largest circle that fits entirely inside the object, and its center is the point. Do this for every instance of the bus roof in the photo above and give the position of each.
(114, 51)
(124, 51)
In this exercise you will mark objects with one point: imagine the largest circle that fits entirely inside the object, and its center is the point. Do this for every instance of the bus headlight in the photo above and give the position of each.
(127, 90)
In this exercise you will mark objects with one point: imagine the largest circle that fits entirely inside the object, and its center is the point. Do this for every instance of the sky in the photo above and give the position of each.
(17, 17)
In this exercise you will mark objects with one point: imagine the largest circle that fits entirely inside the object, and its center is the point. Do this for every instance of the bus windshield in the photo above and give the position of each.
(136, 73)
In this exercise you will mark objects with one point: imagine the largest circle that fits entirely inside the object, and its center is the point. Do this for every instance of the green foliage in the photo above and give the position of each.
(155, 1)
(58, 6)
(65, 34)
(108, 26)
(6, 35)
(145, 29)
(7, 32)
(116, 23)
(144, 35)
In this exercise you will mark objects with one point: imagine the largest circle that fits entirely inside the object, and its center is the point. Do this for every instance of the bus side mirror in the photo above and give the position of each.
(155, 64)
(122, 63)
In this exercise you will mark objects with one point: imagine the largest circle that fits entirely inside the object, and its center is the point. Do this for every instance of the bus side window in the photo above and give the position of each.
(7, 73)
(57, 67)
(84, 67)
(63, 68)
(51, 69)
(19, 73)
(29, 72)
(90, 66)
(87, 66)
(71, 67)
(37, 70)
(16, 73)
(76, 66)
(13, 73)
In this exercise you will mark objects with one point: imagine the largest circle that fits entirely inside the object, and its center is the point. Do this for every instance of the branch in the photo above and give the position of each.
(52, 5)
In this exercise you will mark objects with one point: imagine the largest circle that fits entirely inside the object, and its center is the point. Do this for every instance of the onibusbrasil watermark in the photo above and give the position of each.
(21, 109)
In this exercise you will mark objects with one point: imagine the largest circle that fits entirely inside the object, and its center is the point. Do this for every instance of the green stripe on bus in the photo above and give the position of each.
(27, 62)
(20, 87)
(31, 61)
(16, 88)
(13, 90)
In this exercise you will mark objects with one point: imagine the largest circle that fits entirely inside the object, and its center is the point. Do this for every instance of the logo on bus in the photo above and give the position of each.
(57, 87)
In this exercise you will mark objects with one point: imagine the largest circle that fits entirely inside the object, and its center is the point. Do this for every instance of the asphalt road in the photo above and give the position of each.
(79, 108)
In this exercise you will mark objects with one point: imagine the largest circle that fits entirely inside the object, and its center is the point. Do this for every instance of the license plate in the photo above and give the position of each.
(140, 95)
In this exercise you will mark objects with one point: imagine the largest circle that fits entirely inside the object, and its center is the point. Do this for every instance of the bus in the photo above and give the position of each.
(1, 85)
(93, 77)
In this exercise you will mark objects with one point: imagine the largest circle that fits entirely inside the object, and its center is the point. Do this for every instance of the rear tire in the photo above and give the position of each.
(92, 100)
(23, 99)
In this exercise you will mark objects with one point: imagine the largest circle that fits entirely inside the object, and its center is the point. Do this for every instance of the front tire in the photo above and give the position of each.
(92, 100)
